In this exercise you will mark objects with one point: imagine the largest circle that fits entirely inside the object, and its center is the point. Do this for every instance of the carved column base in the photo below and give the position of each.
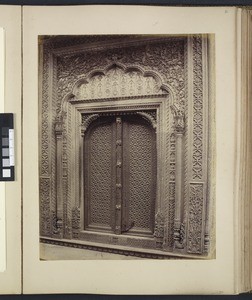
(179, 234)
(58, 228)
(75, 222)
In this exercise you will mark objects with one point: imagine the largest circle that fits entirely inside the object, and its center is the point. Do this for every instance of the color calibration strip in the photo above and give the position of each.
(7, 159)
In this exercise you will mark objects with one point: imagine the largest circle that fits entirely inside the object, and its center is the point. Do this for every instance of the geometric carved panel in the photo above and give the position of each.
(98, 179)
(138, 174)
(142, 164)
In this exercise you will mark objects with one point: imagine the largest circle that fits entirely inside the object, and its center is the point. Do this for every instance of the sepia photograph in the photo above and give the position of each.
(126, 147)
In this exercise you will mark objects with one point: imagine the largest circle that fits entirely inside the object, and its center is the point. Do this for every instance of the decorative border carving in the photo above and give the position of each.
(45, 218)
(44, 165)
(159, 229)
(165, 59)
(195, 221)
(197, 109)
(76, 218)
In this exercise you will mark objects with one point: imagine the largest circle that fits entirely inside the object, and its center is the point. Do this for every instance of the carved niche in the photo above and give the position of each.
(84, 79)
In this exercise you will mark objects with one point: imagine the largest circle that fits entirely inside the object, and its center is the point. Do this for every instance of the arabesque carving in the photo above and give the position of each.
(165, 59)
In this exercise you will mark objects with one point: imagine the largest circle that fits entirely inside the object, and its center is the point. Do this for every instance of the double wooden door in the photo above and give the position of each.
(120, 175)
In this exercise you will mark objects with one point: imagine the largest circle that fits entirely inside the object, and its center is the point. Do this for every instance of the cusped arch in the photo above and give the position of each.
(117, 80)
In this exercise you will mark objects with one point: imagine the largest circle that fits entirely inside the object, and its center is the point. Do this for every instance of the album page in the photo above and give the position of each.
(130, 144)
(10, 191)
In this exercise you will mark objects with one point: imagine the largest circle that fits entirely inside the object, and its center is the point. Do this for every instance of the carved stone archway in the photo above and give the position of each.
(159, 79)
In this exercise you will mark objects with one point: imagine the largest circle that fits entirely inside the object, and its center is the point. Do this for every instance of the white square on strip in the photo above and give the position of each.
(6, 162)
(6, 173)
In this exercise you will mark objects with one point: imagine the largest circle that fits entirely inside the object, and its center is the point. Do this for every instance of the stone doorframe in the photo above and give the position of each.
(183, 193)
(163, 108)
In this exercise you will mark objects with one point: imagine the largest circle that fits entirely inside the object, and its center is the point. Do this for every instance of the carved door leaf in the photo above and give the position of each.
(120, 175)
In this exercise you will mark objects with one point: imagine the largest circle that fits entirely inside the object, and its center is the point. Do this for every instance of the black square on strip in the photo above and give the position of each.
(6, 171)
(5, 131)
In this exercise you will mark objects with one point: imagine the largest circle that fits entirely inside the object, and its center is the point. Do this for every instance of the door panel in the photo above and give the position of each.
(138, 171)
(99, 176)
(140, 175)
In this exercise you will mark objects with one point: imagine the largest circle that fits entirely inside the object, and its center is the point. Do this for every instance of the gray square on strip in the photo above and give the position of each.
(6, 173)
(5, 131)
(5, 141)
(5, 151)
(6, 162)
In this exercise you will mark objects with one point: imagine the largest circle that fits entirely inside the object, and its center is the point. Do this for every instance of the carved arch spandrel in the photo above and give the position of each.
(157, 86)
(117, 80)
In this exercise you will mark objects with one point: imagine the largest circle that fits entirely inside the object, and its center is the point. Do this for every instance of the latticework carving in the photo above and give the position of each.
(44, 166)
(141, 163)
(197, 109)
(45, 218)
(100, 174)
(194, 243)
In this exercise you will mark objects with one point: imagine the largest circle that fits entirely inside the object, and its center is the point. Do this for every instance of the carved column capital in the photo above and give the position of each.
(179, 119)
(179, 124)
(83, 129)
(179, 234)
(58, 127)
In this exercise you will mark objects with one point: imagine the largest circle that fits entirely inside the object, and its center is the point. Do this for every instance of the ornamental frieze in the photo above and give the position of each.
(166, 59)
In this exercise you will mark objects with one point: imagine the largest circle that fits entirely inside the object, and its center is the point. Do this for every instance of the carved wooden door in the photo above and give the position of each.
(120, 175)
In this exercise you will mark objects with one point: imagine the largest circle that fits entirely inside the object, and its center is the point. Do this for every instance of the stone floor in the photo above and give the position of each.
(54, 252)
